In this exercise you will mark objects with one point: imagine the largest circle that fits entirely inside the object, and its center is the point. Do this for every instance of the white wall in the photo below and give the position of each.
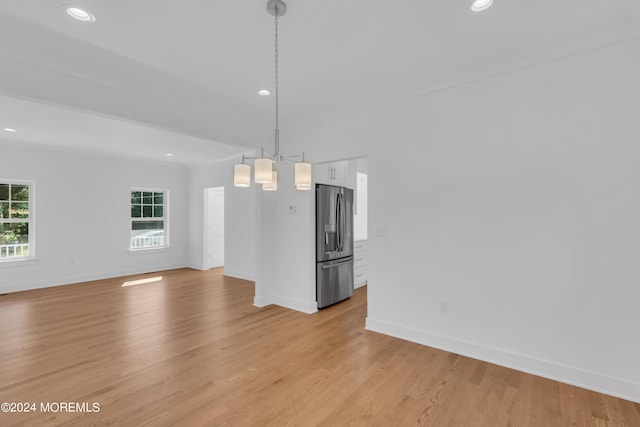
(82, 216)
(360, 216)
(514, 198)
(286, 264)
(239, 213)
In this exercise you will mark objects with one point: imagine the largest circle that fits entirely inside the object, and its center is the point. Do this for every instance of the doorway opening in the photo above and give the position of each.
(214, 227)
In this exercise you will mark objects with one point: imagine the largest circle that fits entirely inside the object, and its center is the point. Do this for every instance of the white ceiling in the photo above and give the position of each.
(150, 76)
(81, 130)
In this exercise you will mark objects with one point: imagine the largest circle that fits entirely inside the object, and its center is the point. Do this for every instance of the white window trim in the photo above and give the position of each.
(140, 251)
(165, 218)
(31, 220)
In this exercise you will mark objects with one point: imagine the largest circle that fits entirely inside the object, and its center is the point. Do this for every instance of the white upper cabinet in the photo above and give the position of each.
(341, 173)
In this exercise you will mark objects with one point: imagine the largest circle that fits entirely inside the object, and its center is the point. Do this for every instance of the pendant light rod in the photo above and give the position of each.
(268, 161)
(277, 83)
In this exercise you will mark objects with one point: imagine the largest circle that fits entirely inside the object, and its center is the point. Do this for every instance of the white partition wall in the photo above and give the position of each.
(83, 216)
(513, 199)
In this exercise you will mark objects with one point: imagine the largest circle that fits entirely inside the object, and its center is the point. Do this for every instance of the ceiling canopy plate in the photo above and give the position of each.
(276, 7)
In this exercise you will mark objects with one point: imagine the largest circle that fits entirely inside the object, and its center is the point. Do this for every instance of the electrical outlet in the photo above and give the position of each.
(444, 306)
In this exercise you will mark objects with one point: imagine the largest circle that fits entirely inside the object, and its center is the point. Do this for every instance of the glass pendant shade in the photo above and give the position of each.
(303, 176)
(273, 185)
(264, 170)
(241, 175)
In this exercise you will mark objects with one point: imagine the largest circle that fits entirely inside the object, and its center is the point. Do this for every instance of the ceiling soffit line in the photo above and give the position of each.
(34, 83)
(166, 62)
(44, 66)
(577, 45)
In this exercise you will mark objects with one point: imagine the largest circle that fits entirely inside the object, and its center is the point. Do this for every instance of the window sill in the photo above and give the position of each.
(148, 251)
(21, 262)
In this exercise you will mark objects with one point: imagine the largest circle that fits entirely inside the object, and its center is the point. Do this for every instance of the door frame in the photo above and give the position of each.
(206, 264)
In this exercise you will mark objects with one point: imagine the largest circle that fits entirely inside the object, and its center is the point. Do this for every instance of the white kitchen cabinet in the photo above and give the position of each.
(350, 179)
(337, 172)
(323, 173)
(360, 263)
(341, 173)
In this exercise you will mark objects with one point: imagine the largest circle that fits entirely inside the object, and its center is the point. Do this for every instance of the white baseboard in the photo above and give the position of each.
(589, 380)
(239, 274)
(262, 301)
(359, 285)
(304, 307)
(196, 266)
(69, 280)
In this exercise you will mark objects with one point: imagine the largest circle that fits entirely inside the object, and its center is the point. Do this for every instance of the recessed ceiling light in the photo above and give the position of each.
(480, 5)
(264, 92)
(79, 14)
(169, 154)
(10, 129)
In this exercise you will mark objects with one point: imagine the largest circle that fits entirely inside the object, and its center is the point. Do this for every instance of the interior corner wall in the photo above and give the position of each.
(286, 273)
(239, 212)
(515, 200)
(82, 208)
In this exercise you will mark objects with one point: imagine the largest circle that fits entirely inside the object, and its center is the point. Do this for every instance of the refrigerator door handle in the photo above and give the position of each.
(341, 198)
(338, 225)
(343, 217)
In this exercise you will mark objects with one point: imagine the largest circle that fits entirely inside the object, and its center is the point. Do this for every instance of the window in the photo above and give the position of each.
(16, 220)
(149, 219)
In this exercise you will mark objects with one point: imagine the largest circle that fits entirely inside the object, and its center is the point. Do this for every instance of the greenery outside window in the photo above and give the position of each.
(16, 220)
(149, 219)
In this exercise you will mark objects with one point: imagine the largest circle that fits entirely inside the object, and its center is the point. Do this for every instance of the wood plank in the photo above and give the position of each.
(190, 349)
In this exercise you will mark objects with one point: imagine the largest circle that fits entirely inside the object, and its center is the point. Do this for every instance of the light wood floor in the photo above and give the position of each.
(191, 350)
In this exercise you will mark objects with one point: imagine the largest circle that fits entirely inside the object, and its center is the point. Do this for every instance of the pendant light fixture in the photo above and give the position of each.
(265, 166)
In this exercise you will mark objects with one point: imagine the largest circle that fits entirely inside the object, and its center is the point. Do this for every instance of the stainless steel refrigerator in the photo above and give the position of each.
(334, 244)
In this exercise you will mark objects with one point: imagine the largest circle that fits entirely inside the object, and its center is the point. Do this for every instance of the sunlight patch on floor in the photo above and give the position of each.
(141, 281)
